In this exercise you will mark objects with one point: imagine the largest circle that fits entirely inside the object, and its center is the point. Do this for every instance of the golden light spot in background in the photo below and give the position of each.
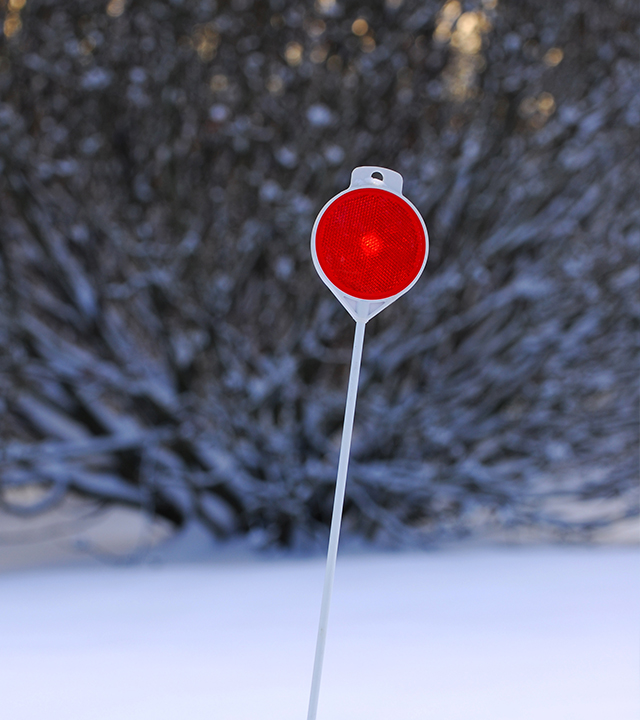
(465, 32)
(451, 10)
(360, 27)
(16, 5)
(12, 24)
(206, 40)
(293, 54)
(115, 8)
(316, 28)
(461, 78)
(553, 57)
(442, 33)
(368, 44)
(537, 110)
(319, 54)
(546, 103)
(490, 4)
(218, 83)
(276, 21)
(466, 37)
(467, 23)
(325, 6)
(528, 107)
(445, 20)
(275, 85)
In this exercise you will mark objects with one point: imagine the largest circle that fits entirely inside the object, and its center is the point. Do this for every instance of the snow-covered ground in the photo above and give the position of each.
(501, 634)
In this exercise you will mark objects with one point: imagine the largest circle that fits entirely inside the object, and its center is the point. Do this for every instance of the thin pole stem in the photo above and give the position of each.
(336, 518)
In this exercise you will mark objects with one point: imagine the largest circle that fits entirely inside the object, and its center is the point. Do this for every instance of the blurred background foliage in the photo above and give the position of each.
(165, 342)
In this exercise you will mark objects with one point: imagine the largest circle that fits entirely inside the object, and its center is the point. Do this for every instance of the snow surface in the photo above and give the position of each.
(501, 634)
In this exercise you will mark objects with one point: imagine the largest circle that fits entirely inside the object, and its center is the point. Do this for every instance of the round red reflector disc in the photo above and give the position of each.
(370, 243)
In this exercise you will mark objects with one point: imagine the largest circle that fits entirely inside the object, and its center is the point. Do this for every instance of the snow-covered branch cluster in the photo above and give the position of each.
(165, 343)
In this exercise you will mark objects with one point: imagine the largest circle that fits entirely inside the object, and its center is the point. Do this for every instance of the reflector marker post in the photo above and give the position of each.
(369, 245)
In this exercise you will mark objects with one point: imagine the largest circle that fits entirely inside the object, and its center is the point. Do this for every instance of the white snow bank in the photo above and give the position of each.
(501, 634)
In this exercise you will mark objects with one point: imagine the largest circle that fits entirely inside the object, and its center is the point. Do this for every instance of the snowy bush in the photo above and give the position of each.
(165, 341)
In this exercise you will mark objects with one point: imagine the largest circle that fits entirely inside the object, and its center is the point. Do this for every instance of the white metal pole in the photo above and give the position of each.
(336, 518)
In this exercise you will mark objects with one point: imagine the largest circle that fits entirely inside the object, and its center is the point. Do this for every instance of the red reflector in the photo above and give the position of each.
(370, 244)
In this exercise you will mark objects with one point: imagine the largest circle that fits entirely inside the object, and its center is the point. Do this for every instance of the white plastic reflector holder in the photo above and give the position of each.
(369, 245)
